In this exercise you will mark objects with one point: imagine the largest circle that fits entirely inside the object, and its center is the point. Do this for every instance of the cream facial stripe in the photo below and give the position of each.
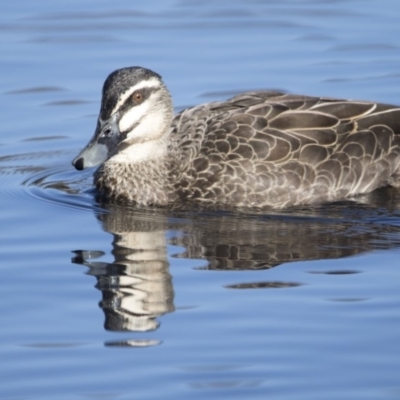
(150, 83)
(133, 116)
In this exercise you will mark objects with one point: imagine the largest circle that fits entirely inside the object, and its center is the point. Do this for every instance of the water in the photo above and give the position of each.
(99, 302)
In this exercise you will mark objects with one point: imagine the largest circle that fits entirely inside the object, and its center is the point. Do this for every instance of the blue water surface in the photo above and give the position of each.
(105, 302)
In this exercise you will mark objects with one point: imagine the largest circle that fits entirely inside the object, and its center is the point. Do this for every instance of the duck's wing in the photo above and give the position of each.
(266, 116)
(278, 127)
(340, 147)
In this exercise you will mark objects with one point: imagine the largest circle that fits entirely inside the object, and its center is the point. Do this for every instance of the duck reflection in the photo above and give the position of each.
(137, 286)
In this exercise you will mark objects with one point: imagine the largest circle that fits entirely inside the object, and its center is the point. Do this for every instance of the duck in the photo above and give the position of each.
(258, 149)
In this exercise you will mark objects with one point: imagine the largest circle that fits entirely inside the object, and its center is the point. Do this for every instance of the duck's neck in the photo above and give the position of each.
(137, 174)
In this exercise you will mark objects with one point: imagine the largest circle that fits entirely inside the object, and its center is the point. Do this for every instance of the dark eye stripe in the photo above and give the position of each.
(111, 101)
(130, 102)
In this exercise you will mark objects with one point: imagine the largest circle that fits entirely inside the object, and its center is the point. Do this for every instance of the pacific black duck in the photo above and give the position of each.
(257, 149)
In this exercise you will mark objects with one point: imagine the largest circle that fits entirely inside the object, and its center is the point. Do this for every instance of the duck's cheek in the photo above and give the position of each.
(131, 118)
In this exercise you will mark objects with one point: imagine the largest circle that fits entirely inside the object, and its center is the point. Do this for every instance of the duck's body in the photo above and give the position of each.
(258, 149)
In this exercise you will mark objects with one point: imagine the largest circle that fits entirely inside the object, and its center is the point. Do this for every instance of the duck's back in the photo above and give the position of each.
(273, 149)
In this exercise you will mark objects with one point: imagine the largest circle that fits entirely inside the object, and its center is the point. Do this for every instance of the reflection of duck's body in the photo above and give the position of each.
(257, 149)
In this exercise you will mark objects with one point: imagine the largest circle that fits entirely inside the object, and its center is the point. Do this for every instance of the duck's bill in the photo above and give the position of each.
(101, 146)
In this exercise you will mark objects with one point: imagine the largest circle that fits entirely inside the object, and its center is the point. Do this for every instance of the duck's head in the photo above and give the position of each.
(136, 108)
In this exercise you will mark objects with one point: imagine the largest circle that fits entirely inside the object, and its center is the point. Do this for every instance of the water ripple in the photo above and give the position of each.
(36, 185)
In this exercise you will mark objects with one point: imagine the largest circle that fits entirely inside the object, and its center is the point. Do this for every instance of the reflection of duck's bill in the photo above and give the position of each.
(101, 145)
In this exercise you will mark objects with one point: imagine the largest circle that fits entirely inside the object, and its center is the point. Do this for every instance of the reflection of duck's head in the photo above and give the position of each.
(136, 286)
(258, 149)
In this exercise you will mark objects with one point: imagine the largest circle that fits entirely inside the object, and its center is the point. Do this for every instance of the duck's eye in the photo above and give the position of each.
(137, 97)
